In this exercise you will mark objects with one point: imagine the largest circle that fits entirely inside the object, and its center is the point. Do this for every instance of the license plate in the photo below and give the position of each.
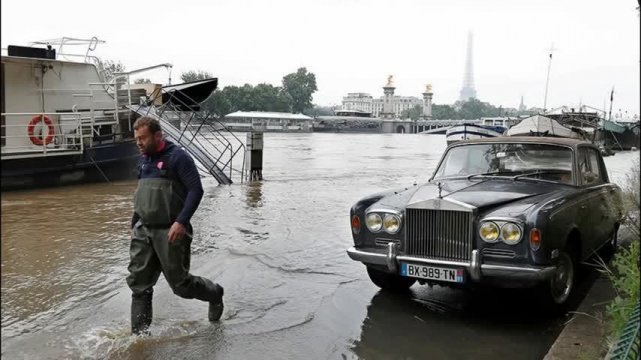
(432, 272)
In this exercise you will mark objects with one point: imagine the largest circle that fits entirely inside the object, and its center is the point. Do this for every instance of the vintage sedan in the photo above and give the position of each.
(504, 211)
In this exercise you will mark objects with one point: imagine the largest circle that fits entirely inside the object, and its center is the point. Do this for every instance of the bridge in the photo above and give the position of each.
(397, 126)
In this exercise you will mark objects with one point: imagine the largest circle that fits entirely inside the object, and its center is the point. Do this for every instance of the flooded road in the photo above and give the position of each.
(277, 246)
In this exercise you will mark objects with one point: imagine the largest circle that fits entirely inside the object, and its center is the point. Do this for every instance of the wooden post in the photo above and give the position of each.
(255, 156)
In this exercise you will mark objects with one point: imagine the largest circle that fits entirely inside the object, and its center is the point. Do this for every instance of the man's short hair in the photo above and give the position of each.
(152, 124)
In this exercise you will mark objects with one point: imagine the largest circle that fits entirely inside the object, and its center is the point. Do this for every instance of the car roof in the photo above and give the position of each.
(526, 139)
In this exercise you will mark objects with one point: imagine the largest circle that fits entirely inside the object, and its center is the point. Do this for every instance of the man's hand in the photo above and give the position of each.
(177, 231)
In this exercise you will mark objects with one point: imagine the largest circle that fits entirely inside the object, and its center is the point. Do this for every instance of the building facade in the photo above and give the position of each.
(365, 102)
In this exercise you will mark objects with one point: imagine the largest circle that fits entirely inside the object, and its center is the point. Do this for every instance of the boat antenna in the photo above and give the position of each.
(547, 80)
(611, 100)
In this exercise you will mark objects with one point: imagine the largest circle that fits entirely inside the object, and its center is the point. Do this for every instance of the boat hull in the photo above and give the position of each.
(469, 131)
(351, 130)
(110, 162)
(188, 96)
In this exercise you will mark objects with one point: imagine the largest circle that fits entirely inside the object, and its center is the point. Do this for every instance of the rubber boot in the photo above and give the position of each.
(216, 305)
(141, 315)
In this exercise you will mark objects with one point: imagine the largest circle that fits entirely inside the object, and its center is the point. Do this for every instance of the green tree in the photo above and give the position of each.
(475, 109)
(217, 104)
(443, 112)
(240, 97)
(267, 97)
(413, 113)
(317, 110)
(192, 75)
(300, 86)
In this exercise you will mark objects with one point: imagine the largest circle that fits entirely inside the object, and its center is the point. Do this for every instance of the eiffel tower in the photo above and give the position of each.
(468, 90)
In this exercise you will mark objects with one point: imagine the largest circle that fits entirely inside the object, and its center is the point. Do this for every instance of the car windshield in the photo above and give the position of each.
(507, 160)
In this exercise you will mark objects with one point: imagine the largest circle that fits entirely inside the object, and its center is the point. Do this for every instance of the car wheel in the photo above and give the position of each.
(613, 242)
(560, 287)
(390, 282)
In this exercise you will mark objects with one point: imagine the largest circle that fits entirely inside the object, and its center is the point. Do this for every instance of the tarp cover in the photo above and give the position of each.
(539, 124)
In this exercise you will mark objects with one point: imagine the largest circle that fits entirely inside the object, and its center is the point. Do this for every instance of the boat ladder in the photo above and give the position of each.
(207, 140)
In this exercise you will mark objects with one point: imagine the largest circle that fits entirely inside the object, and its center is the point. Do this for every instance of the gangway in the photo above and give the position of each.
(204, 138)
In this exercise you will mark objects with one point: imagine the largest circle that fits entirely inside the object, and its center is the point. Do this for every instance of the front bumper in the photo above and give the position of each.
(475, 268)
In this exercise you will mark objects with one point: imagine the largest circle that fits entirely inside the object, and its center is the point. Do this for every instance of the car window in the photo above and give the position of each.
(589, 168)
(509, 159)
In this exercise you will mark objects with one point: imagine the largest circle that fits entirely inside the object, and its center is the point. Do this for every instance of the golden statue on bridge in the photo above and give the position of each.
(390, 80)
(428, 88)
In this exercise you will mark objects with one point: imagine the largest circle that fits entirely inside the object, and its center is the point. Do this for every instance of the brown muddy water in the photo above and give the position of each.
(277, 246)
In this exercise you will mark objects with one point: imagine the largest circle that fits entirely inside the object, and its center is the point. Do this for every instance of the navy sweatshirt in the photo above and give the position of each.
(182, 169)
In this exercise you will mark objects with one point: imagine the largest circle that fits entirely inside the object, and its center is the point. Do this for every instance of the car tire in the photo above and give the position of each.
(613, 242)
(390, 282)
(558, 291)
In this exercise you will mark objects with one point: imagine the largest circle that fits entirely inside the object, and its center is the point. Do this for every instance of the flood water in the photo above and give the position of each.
(277, 246)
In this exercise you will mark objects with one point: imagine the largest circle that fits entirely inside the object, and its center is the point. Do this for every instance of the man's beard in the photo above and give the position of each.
(151, 147)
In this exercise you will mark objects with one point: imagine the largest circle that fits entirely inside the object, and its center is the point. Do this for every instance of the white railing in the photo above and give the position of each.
(67, 137)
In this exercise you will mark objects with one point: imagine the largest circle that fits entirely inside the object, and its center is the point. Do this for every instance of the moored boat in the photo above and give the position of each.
(67, 120)
(348, 121)
(540, 125)
(468, 131)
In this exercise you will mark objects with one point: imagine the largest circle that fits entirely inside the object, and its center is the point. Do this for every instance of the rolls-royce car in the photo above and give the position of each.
(503, 211)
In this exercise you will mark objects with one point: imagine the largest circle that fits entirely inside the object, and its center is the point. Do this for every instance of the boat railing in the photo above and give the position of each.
(90, 45)
(98, 109)
(65, 136)
(207, 139)
(120, 89)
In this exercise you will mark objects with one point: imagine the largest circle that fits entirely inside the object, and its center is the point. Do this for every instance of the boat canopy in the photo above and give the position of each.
(539, 124)
(612, 126)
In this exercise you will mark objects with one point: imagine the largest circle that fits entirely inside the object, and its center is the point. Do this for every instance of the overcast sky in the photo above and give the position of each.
(353, 45)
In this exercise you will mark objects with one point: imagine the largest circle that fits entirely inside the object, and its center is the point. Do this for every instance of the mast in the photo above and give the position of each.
(547, 81)
(611, 100)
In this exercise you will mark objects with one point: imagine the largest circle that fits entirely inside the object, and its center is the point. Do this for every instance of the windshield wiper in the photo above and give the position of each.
(540, 172)
(491, 173)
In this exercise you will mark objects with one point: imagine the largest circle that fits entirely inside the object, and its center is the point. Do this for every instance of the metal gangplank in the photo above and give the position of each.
(208, 141)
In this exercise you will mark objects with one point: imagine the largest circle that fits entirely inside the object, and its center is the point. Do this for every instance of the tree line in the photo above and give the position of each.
(465, 110)
(294, 95)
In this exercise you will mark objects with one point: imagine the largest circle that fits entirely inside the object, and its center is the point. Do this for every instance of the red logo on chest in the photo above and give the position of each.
(159, 165)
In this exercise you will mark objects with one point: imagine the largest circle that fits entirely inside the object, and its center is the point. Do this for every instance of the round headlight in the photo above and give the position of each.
(374, 222)
(391, 223)
(510, 233)
(489, 231)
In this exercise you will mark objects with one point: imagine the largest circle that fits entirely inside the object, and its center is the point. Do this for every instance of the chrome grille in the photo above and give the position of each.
(500, 253)
(439, 234)
(384, 242)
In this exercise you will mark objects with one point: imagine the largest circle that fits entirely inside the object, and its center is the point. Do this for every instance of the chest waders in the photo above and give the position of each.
(158, 201)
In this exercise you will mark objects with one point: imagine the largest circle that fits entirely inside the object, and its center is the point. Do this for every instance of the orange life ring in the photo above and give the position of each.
(32, 125)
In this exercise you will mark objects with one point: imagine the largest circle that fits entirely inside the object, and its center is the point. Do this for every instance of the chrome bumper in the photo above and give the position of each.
(475, 268)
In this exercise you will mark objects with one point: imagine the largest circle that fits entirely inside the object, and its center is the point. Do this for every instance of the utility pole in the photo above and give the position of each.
(547, 81)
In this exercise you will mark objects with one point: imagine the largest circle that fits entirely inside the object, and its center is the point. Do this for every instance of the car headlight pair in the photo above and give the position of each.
(506, 231)
(376, 222)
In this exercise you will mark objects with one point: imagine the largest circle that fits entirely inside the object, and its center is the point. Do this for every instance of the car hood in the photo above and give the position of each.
(477, 193)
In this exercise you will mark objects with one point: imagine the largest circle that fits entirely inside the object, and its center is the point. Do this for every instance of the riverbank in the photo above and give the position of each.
(583, 336)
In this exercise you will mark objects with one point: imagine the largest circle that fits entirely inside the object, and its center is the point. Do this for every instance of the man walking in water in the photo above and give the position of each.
(169, 192)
